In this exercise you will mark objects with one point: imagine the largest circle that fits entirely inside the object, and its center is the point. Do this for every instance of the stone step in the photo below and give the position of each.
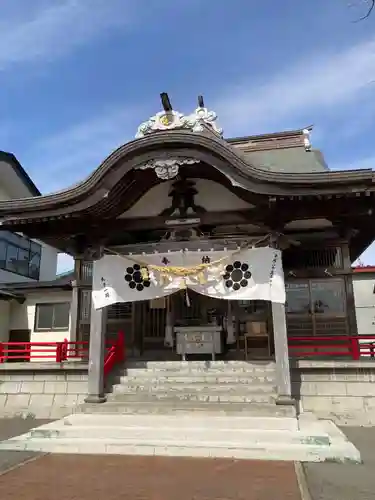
(188, 370)
(205, 365)
(150, 377)
(261, 410)
(157, 439)
(278, 452)
(183, 421)
(157, 436)
(198, 387)
(203, 396)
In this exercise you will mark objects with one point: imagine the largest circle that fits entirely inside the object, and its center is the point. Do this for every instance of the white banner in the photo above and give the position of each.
(251, 274)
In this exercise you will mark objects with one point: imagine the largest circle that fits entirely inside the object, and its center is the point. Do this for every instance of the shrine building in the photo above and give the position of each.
(198, 246)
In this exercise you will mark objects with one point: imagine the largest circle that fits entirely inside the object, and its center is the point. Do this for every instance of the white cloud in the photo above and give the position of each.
(317, 84)
(71, 155)
(53, 28)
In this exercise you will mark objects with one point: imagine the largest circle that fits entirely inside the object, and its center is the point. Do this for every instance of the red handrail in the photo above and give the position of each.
(116, 354)
(59, 351)
(354, 347)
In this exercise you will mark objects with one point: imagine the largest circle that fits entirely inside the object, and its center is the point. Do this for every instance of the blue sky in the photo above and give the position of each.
(78, 76)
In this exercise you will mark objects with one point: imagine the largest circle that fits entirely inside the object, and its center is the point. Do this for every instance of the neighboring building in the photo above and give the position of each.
(23, 260)
(364, 297)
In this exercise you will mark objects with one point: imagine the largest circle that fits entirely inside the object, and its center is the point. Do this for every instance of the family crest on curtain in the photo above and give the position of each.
(247, 274)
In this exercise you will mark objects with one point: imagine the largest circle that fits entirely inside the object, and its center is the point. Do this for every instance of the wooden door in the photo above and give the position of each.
(18, 336)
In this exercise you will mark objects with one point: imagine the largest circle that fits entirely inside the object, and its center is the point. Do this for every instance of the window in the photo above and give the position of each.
(328, 297)
(297, 298)
(316, 297)
(52, 316)
(12, 258)
(19, 255)
(305, 258)
(316, 307)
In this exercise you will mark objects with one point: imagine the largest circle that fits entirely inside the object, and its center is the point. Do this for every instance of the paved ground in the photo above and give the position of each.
(10, 427)
(346, 482)
(68, 477)
(141, 478)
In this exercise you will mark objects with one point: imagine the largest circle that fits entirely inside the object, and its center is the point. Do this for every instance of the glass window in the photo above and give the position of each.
(61, 316)
(12, 258)
(52, 316)
(23, 261)
(34, 265)
(328, 296)
(44, 317)
(297, 298)
(3, 253)
(35, 247)
(13, 238)
(19, 254)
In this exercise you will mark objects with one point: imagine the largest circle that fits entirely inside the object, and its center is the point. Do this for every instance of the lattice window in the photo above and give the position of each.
(85, 305)
(86, 272)
(122, 310)
(306, 258)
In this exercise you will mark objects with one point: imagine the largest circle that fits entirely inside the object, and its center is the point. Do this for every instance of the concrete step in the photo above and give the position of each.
(312, 443)
(164, 407)
(202, 396)
(157, 436)
(278, 452)
(191, 367)
(183, 421)
(200, 363)
(201, 387)
(244, 379)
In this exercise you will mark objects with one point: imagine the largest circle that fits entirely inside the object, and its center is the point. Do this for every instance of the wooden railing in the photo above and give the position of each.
(335, 346)
(61, 352)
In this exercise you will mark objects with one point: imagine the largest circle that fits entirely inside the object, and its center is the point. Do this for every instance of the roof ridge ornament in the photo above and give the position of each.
(306, 138)
(199, 121)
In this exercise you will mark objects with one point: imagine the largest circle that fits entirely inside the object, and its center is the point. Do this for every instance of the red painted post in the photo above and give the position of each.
(354, 344)
(64, 350)
(58, 352)
(1, 353)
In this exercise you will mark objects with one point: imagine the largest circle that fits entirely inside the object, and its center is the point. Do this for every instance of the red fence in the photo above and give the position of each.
(355, 347)
(61, 351)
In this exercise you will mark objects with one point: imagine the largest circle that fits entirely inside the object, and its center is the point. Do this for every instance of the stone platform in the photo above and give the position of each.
(273, 438)
(193, 409)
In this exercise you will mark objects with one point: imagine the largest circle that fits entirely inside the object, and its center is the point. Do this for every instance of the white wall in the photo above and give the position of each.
(211, 195)
(48, 263)
(364, 298)
(22, 316)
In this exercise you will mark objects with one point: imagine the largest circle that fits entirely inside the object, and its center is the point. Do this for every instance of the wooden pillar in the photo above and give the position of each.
(74, 312)
(75, 305)
(281, 354)
(97, 347)
(96, 356)
(351, 317)
(284, 389)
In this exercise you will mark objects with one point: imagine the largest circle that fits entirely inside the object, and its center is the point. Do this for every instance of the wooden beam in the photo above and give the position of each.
(165, 102)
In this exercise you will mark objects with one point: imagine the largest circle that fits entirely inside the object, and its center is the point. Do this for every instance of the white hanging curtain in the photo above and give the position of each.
(249, 274)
